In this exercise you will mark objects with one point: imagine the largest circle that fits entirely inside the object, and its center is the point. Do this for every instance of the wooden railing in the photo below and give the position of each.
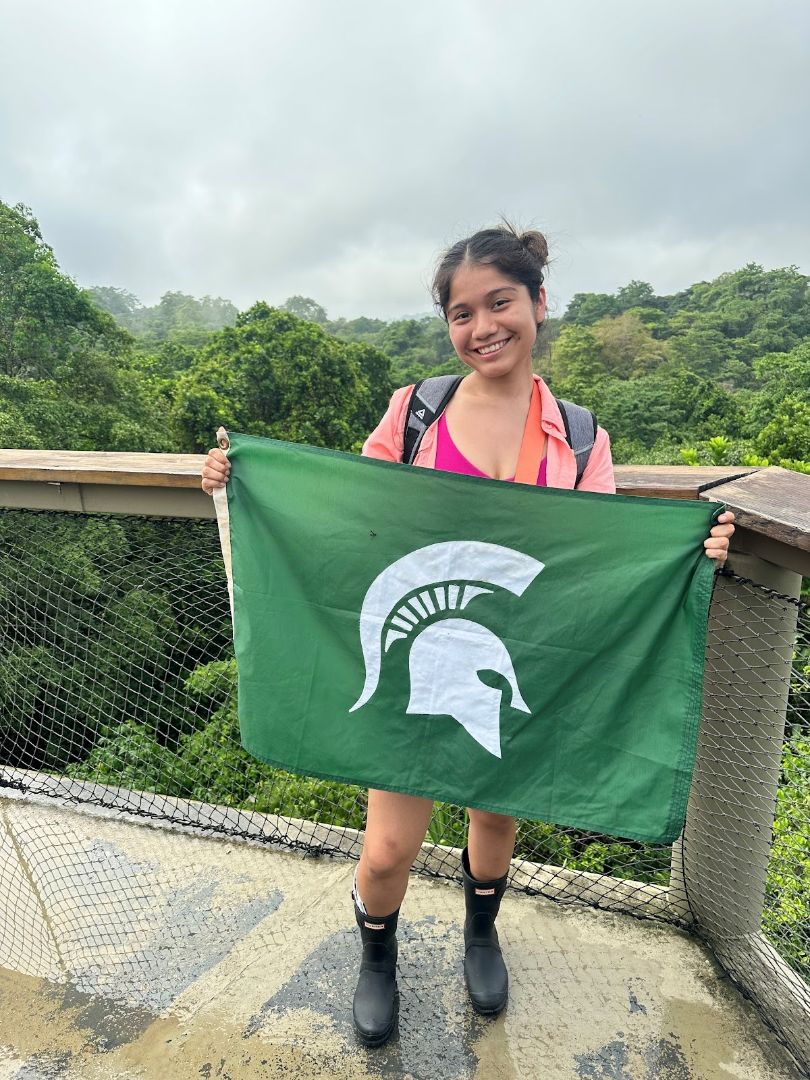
(772, 505)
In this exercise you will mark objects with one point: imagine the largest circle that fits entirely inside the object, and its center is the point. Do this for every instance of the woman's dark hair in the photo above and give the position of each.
(520, 256)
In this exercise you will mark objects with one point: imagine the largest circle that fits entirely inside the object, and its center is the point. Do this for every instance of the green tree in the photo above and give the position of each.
(635, 294)
(116, 302)
(362, 329)
(575, 365)
(702, 349)
(88, 619)
(587, 308)
(177, 317)
(43, 314)
(627, 347)
(777, 376)
(69, 378)
(672, 408)
(418, 348)
(276, 375)
(304, 307)
(787, 435)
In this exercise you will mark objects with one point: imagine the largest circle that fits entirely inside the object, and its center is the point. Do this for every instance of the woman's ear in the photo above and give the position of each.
(540, 306)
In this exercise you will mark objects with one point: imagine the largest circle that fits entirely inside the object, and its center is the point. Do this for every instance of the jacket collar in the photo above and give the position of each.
(551, 418)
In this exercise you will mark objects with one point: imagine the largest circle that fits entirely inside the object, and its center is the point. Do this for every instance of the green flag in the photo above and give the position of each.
(529, 651)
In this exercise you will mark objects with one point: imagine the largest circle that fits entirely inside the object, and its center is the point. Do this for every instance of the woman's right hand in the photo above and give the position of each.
(215, 472)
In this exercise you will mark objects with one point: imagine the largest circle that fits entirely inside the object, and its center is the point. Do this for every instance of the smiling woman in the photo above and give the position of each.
(502, 422)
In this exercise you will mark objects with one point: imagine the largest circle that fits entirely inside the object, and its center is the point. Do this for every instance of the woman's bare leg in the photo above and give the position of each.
(490, 844)
(395, 828)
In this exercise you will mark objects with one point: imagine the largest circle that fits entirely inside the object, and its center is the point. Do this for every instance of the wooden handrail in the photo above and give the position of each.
(183, 471)
(772, 502)
(102, 467)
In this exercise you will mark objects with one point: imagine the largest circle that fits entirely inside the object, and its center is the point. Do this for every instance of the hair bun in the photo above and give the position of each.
(536, 244)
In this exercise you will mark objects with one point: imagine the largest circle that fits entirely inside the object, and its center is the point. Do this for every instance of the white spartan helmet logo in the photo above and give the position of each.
(446, 655)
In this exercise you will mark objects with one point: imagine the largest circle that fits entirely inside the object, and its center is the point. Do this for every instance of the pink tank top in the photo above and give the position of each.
(450, 459)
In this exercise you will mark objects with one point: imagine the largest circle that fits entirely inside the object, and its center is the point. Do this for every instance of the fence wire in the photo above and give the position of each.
(118, 688)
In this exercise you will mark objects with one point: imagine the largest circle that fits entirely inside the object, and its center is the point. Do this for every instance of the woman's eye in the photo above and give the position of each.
(499, 303)
(460, 316)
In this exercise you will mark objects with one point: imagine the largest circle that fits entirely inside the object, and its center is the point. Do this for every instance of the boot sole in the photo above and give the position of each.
(488, 1012)
(375, 1040)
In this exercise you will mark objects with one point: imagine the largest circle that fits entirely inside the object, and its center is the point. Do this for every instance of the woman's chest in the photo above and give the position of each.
(490, 438)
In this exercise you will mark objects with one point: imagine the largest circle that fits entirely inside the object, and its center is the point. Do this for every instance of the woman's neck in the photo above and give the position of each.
(516, 384)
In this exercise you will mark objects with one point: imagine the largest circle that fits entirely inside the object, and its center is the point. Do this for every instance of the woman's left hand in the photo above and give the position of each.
(716, 545)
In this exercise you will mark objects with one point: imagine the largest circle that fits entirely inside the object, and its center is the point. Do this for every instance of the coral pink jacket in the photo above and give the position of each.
(386, 442)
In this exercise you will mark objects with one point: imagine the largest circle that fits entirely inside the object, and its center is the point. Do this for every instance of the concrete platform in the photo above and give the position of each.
(132, 951)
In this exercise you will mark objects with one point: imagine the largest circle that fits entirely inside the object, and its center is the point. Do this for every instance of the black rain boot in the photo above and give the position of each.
(375, 999)
(484, 969)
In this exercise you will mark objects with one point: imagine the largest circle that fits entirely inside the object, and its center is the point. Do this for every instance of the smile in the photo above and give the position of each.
(488, 350)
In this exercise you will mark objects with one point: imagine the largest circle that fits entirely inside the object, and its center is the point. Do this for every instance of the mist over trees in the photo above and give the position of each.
(177, 317)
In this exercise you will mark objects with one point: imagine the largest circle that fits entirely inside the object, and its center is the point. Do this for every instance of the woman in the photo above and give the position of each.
(502, 420)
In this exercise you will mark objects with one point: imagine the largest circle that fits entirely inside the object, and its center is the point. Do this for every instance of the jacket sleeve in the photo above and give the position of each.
(387, 439)
(598, 475)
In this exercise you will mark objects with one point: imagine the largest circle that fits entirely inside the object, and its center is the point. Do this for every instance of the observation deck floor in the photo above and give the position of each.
(139, 951)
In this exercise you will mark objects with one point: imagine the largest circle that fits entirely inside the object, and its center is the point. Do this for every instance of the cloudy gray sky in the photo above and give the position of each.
(257, 149)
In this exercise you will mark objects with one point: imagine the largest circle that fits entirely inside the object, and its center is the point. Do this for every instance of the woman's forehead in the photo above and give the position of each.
(478, 279)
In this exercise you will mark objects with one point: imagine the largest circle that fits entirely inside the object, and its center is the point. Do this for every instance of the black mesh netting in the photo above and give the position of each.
(117, 687)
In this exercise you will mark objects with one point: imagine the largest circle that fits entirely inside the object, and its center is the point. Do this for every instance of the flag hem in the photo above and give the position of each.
(668, 838)
(222, 510)
(693, 713)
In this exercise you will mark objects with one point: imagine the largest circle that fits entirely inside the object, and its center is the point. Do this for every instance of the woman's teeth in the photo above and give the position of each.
(488, 349)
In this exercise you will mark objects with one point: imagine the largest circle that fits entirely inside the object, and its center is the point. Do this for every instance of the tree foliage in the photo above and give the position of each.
(275, 375)
(88, 619)
(304, 307)
(668, 376)
(722, 359)
(44, 316)
(177, 317)
(69, 376)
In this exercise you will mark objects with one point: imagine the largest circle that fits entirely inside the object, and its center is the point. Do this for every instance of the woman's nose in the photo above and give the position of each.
(484, 325)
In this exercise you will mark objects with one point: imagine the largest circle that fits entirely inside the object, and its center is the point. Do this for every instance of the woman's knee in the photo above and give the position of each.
(492, 823)
(395, 828)
(386, 857)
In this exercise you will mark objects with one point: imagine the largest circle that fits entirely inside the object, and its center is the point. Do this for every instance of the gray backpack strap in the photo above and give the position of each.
(429, 399)
(580, 431)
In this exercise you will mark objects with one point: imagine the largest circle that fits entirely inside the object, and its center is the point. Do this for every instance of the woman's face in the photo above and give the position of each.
(492, 320)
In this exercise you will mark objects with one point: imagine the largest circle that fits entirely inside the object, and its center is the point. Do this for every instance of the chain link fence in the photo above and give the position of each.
(118, 688)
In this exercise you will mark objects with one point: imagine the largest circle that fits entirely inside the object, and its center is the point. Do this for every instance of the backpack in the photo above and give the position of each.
(430, 397)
